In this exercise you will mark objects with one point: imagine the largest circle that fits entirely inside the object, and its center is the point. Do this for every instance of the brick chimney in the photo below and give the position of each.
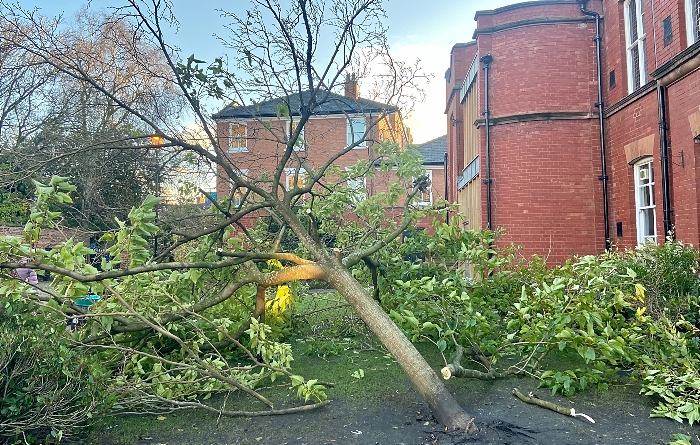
(351, 88)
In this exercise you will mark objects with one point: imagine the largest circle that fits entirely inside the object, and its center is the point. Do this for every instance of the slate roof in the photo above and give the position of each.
(332, 104)
(434, 151)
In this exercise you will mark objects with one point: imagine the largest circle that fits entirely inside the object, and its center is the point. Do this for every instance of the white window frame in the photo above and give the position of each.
(290, 174)
(692, 20)
(645, 208)
(301, 144)
(241, 142)
(639, 44)
(357, 188)
(420, 199)
(237, 193)
(354, 136)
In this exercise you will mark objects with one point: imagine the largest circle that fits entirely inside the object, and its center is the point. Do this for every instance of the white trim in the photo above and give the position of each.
(241, 145)
(301, 144)
(421, 197)
(238, 192)
(645, 205)
(639, 45)
(290, 174)
(357, 188)
(692, 20)
(353, 135)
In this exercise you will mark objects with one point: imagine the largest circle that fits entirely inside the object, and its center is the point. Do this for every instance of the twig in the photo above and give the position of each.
(549, 405)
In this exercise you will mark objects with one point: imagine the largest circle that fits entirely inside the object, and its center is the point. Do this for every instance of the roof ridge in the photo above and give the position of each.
(432, 140)
(335, 104)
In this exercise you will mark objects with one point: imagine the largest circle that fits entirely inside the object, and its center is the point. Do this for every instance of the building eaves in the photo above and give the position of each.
(530, 22)
(328, 103)
(523, 5)
(687, 56)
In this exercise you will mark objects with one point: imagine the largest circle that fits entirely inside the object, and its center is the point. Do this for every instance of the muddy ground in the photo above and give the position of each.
(621, 415)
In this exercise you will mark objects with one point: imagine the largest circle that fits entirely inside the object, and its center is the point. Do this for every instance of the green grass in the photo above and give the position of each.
(330, 344)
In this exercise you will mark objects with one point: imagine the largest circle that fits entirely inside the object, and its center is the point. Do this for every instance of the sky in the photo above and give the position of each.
(417, 29)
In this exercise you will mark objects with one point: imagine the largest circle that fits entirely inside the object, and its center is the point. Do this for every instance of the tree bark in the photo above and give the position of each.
(443, 405)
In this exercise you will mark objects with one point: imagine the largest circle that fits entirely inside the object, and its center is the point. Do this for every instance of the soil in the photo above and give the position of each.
(621, 417)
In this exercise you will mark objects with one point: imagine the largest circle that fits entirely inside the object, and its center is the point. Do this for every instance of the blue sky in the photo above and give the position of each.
(417, 28)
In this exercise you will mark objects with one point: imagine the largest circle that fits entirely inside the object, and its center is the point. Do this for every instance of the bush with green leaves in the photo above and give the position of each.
(590, 321)
(669, 274)
(50, 388)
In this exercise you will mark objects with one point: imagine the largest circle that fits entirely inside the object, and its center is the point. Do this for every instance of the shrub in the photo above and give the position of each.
(50, 390)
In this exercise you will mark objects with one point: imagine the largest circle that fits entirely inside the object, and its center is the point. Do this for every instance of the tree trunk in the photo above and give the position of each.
(443, 405)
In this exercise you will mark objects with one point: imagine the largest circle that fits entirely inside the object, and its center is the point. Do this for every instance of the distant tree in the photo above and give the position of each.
(71, 129)
(202, 305)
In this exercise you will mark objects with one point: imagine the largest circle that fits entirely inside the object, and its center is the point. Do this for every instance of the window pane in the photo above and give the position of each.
(644, 174)
(646, 208)
(644, 197)
(238, 136)
(301, 141)
(356, 130)
(648, 222)
(696, 19)
(357, 190)
(633, 20)
(636, 60)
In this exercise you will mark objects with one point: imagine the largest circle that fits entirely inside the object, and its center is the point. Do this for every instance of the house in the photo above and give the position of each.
(255, 137)
(575, 125)
(433, 153)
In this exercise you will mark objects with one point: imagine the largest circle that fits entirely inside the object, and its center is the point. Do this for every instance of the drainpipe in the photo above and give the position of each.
(486, 60)
(603, 162)
(444, 166)
(665, 174)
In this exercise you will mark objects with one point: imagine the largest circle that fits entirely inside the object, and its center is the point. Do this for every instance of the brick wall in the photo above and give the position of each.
(324, 136)
(684, 101)
(545, 188)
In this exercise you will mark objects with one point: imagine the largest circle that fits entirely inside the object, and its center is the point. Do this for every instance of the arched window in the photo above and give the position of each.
(644, 198)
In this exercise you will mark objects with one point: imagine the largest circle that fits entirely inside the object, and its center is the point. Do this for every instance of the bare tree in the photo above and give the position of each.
(298, 54)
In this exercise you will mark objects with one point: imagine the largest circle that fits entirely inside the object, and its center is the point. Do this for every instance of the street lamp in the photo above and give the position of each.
(156, 140)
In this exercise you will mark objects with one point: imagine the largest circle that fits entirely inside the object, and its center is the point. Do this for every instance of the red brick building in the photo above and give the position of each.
(525, 102)
(256, 138)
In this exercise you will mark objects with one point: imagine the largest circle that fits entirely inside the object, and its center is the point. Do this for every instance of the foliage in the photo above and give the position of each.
(14, 210)
(669, 275)
(50, 389)
(584, 323)
(181, 329)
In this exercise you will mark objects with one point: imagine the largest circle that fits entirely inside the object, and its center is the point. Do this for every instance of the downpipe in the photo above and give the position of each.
(603, 161)
(665, 170)
(486, 60)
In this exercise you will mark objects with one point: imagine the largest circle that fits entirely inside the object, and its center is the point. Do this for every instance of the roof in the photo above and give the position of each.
(434, 151)
(329, 103)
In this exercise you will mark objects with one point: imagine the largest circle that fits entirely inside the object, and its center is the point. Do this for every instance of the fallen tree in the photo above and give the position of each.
(173, 323)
